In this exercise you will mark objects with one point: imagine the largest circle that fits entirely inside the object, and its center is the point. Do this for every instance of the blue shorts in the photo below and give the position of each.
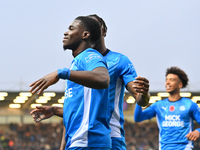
(88, 148)
(118, 144)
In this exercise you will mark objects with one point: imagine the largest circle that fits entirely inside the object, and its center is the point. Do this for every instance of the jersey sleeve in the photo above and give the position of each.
(126, 70)
(141, 115)
(195, 113)
(92, 60)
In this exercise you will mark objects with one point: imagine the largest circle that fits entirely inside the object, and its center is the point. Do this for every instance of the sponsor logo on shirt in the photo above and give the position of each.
(93, 56)
(68, 93)
(172, 121)
(164, 108)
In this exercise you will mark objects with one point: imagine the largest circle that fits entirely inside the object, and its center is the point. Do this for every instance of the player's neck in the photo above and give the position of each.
(103, 49)
(100, 46)
(80, 48)
(174, 97)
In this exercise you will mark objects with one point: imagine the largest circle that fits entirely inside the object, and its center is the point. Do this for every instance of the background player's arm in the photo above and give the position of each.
(98, 78)
(45, 112)
(195, 113)
(139, 89)
(141, 115)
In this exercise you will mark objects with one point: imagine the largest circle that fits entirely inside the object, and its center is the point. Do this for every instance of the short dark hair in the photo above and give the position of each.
(92, 26)
(101, 22)
(180, 73)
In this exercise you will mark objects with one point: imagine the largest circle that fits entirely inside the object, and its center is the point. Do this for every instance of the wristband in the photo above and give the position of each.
(63, 73)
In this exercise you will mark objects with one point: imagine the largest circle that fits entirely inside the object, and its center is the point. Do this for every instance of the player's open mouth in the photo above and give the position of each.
(168, 87)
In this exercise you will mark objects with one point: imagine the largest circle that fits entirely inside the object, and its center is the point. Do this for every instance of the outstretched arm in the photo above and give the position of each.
(45, 112)
(139, 89)
(141, 115)
(98, 78)
(44, 82)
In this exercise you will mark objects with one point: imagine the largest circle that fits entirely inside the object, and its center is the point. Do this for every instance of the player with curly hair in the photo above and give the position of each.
(174, 114)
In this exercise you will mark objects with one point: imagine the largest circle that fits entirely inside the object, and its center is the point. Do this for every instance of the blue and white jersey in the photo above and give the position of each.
(86, 111)
(174, 119)
(121, 72)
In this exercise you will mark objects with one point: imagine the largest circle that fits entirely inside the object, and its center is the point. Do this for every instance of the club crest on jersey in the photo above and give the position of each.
(171, 108)
(182, 108)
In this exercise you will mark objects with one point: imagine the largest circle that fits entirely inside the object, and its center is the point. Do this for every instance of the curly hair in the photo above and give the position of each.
(92, 26)
(180, 73)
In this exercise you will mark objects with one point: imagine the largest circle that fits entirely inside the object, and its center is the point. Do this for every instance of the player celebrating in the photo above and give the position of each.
(86, 108)
(122, 74)
(174, 114)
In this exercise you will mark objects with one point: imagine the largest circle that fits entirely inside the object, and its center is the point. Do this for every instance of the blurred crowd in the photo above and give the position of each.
(31, 137)
(139, 136)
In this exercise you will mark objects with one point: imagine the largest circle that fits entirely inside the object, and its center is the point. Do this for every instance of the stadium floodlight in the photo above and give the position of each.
(182, 94)
(61, 100)
(2, 98)
(153, 99)
(49, 94)
(26, 94)
(21, 101)
(14, 106)
(130, 100)
(185, 94)
(34, 105)
(22, 98)
(42, 101)
(163, 94)
(45, 98)
(58, 105)
(195, 98)
(3, 94)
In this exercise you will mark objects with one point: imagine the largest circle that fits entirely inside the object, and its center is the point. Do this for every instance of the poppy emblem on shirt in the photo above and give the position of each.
(171, 108)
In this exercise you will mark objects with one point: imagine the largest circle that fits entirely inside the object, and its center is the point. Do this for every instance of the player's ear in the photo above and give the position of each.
(103, 32)
(180, 85)
(86, 35)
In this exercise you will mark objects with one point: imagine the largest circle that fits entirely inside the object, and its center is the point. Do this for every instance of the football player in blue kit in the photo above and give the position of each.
(122, 74)
(174, 114)
(86, 111)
